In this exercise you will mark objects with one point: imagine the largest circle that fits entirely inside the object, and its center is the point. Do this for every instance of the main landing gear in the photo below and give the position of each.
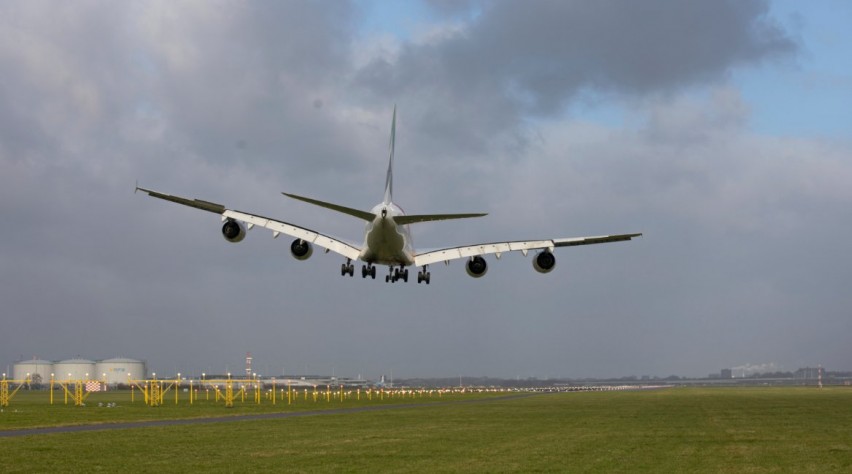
(395, 274)
(368, 270)
(424, 275)
(347, 268)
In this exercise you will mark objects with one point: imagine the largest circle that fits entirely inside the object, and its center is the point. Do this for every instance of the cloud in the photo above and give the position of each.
(512, 60)
(234, 102)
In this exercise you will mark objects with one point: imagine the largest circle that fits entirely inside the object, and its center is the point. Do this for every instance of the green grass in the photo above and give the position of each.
(671, 430)
(33, 409)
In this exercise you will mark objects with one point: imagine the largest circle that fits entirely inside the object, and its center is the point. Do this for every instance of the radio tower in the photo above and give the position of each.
(248, 365)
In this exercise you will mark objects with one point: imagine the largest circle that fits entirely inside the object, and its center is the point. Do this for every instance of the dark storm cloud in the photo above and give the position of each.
(534, 57)
(215, 72)
(97, 95)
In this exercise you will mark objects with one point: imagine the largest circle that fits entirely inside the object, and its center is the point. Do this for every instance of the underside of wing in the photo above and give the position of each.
(498, 248)
(279, 227)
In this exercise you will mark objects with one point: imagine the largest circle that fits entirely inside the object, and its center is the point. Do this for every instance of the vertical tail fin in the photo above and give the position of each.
(389, 179)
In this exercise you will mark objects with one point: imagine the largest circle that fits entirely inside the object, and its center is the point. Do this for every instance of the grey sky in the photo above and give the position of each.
(743, 259)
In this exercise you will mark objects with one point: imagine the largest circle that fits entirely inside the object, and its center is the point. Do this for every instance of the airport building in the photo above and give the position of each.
(809, 373)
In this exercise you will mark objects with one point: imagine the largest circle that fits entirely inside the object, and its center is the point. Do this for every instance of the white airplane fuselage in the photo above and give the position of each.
(386, 242)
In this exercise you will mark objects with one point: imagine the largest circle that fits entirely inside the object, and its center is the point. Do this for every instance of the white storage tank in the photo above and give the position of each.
(75, 369)
(37, 369)
(120, 370)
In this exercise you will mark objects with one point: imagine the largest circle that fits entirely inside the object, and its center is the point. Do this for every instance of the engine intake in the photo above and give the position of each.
(301, 249)
(233, 231)
(544, 261)
(476, 267)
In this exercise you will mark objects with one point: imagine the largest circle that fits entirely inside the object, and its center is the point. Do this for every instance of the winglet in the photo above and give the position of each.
(389, 180)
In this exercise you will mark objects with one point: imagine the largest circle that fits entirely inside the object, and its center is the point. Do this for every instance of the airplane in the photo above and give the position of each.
(387, 238)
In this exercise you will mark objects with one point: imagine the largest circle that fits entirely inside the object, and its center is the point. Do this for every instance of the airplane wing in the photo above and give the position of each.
(498, 248)
(277, 227)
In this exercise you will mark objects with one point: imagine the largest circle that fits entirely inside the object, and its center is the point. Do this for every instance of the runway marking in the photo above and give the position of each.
(228, 419)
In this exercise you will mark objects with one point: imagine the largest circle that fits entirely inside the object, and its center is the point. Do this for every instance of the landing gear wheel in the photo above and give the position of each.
(368, 271)
(423, 275)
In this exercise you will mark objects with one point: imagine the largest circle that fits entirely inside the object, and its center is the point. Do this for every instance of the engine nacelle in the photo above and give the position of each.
(544, 261)
(233, 231)
(476, 266)
(301, 249)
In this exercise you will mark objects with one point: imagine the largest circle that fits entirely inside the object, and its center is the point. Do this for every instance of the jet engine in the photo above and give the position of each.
(301, 249)
(233, 231)
(544, 261)
(476, 266)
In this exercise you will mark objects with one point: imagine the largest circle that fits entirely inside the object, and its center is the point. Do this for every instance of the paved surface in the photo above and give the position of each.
(229, 419)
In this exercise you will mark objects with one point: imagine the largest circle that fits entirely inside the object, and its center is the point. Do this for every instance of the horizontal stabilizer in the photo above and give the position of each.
(367, 216)
(403, 220)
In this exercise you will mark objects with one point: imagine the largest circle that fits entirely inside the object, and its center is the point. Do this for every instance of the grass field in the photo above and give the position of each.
(669, 430)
